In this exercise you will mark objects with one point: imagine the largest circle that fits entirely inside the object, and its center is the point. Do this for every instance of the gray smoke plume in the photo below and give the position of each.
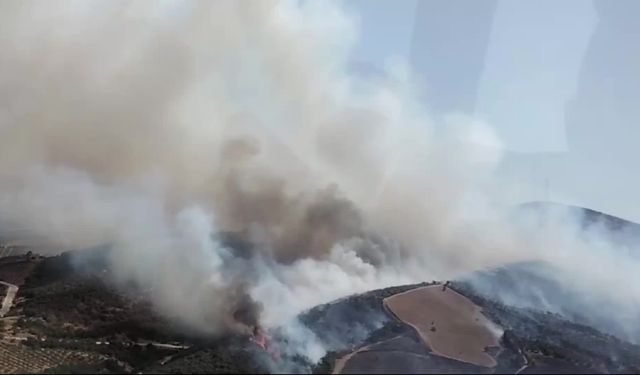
(154, 126)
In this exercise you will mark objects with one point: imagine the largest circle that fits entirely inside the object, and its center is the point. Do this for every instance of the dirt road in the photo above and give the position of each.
(8, 298)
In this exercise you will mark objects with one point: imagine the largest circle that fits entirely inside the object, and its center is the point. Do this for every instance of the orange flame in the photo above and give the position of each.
(260, 338)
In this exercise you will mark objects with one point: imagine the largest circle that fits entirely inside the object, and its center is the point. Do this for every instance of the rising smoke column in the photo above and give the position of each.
(152, 126)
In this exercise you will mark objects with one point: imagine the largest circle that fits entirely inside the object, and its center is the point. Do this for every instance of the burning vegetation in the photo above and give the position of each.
(228, 178)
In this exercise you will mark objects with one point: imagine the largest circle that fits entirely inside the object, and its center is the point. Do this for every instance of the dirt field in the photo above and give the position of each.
(449, 323)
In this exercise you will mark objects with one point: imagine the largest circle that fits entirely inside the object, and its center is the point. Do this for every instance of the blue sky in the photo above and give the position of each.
(559, 81)
(532, 59)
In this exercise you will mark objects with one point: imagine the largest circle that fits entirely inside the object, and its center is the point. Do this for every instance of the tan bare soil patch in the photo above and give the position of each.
(449, 323)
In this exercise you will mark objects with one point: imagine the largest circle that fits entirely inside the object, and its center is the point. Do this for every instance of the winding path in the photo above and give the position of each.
(341, 362)
(8, 298)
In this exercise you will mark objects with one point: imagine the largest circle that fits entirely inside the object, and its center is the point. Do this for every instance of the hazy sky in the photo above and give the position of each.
(558, 80)
(531, 63)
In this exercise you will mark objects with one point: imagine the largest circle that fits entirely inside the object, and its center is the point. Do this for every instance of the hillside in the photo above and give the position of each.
(68, 317)
(615, 229)
(67, 321)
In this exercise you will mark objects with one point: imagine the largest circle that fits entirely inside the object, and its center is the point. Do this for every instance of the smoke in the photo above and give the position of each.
(157, 126)
(582, 268)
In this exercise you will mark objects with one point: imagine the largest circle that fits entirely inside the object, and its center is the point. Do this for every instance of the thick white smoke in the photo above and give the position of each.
(153, 125)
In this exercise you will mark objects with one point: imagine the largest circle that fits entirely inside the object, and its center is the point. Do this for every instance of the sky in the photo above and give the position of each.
(558, 81)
